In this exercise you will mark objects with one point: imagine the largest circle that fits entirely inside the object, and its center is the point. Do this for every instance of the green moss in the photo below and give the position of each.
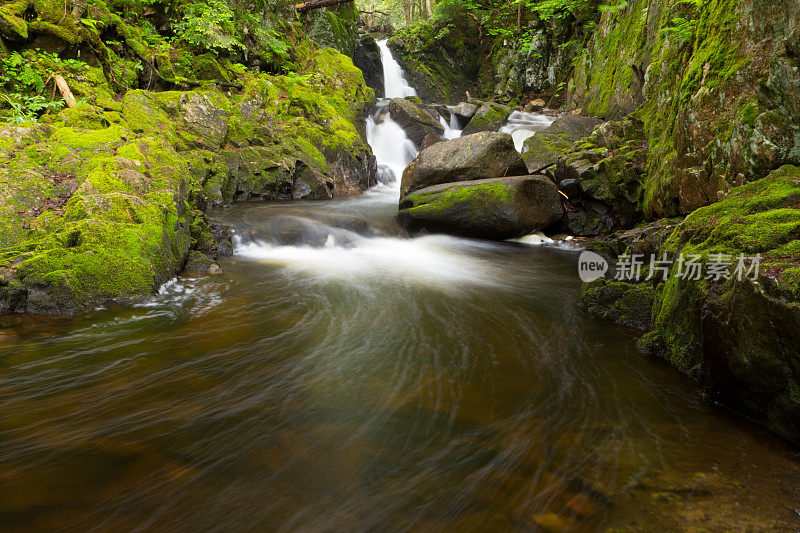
(102, 139)
(482, 198)
(12, 25)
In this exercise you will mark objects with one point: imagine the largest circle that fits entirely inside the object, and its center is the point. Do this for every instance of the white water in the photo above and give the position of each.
(394, 80)
(390, 144)
(451, 129)
(368, 263)
(523, 125)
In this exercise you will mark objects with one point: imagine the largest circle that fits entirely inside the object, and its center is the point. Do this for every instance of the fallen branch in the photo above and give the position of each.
(63, 86)
(317, 4)
(540, 170)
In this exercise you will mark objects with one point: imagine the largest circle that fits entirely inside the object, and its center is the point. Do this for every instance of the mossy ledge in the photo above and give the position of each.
(103, 202)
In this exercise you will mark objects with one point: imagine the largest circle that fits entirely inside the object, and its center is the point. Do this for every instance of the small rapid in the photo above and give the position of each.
(522, 126)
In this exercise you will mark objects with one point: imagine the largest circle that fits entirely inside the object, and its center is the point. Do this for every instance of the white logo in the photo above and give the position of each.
(591, 266)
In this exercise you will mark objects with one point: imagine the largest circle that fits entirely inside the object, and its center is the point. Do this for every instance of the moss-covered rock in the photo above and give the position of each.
(488, 117)
(334, 27)
(738, 336)
(98, 204)
(473, 157)
(628, 304)
(499, 208)
(415, 119)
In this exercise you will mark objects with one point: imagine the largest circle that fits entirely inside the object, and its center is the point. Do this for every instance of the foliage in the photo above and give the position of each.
(28, 108)
(23, 78)
(209, 24)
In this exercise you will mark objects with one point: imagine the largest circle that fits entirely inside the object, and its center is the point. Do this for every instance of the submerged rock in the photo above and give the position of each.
(488, 117)
(473, 157)
(417, 121)
(497, 209)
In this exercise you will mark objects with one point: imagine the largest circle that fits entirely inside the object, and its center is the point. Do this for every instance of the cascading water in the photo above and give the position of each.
(389, 142)
(394, 80)
(522, 126)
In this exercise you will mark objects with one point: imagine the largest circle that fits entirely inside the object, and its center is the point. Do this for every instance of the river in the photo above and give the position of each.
(371, 382)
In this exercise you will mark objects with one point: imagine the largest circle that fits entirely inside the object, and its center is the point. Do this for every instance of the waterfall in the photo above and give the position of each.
(452, 129)
(394, 81)
(389, 142)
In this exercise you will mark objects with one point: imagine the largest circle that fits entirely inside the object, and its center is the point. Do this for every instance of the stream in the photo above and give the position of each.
(341, 376)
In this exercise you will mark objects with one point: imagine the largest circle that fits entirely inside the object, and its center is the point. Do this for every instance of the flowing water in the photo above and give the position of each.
(338, 376)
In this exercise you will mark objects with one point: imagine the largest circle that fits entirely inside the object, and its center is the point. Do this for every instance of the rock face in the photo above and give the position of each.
(367, 58)
(334, 28)
(736, 335)
(474, 157)
(499, 208)
(488, 117)
(603, 177)
(711, 125)
(415, 119)
(548, 145)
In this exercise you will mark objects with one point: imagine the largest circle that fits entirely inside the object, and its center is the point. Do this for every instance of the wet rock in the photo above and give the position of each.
(431, 139)
(629, 304)
(310, 184)
(368, 59)
(295, 231)
(740, 337)
(200, 263)
(498, 208)
(570, 187)
(488, 117)
(464, 110)
(535, 105)
(414, 119)
(473, 157)
(548, 145)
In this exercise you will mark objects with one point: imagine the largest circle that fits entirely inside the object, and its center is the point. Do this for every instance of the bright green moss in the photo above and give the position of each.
(105, 139)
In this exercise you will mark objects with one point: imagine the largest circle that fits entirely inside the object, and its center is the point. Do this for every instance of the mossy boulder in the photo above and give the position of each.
(474, 157)
(488, 117)
(497, 209)
(629, 304)
(605, 174)
(334, 27)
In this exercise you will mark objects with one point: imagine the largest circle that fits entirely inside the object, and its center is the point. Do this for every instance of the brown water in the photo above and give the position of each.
(377, 384)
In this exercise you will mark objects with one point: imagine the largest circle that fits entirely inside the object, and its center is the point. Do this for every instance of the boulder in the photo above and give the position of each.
(368, 59)
(414, 119)
(496, 209)
(310, 184)
(474, 157)
(535, 105)
(548, 145)
(488, 117)
(464, 110)
(200, 263)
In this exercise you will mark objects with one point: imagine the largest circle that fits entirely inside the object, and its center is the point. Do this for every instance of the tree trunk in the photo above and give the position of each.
(316, 4)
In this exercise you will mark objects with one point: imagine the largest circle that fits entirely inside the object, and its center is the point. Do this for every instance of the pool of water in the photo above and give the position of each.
(373, 383)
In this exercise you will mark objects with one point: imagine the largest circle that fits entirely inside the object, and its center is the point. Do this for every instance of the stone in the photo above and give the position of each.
(368, 59)
(548, 145)
(414, 119)
(629, 304)
(496, 209)
(464, 110)
(488, 117)
(473, 157)
(199, 263)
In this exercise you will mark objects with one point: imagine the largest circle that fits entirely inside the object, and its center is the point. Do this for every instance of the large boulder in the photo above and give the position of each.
(488, 117)
(497, 209)
(417, 121)
(474, 157)
(548, 145)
